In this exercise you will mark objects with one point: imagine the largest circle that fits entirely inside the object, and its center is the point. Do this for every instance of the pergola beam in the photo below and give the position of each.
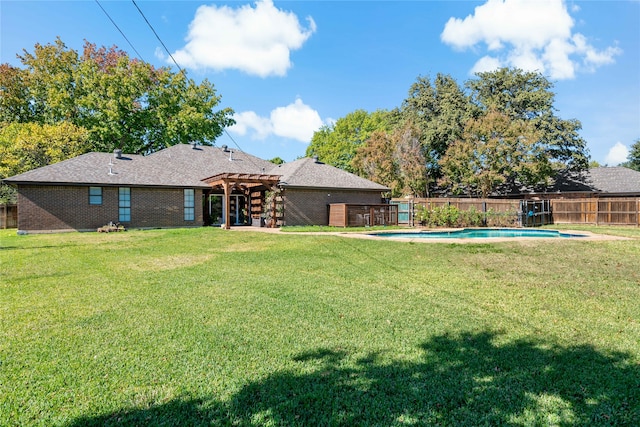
(229, 180)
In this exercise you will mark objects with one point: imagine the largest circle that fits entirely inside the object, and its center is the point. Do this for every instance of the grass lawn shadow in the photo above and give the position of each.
(468, 379)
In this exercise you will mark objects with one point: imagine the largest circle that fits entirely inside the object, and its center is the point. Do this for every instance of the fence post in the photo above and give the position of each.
(484, 213)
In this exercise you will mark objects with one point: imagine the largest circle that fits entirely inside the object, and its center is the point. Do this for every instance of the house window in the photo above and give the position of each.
(189, 204)
(124, 204)
(95, 195)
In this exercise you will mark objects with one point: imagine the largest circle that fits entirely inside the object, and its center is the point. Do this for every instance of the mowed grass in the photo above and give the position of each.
(213, 327)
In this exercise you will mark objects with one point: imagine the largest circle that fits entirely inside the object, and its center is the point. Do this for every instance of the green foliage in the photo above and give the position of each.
(493, 151)
(393, 159)
(451, 216)
(26, 146)
(277, 161)
(527, 96)
(498, 134)
(122, 102)
(440, 111)
(8, 194)
(337, 144)
(439, 216)
(634, 156)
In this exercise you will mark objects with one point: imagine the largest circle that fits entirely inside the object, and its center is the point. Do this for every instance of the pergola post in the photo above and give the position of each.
(227, 204)
(246, 182)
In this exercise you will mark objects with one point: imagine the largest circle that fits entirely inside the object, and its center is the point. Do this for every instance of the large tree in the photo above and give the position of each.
(122, 102)
(338, 143)
(494, 150)
(634, 157)
(375, 161)
(439, 111)
(394, 159)
(26, 146)
(523, 95)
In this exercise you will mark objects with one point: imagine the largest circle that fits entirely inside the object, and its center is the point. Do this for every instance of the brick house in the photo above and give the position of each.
(308, 186)
(180, 186)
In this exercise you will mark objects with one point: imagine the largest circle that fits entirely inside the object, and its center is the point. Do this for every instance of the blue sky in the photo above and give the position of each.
(286, 68)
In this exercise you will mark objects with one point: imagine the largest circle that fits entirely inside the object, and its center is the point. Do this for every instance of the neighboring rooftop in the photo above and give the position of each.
(614, 180)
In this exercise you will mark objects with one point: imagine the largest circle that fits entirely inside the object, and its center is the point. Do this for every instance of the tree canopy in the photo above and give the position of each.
(498, 130)
(26, 146)
(121, 102)
(337, 144)
(634, 156)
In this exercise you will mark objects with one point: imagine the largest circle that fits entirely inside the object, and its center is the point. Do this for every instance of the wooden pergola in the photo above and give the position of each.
(248, 182)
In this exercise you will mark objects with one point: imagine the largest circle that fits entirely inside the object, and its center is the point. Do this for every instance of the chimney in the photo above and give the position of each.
(117, 153)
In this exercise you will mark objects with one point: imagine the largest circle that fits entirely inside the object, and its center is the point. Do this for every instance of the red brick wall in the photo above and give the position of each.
(310, 207)
(42, 208)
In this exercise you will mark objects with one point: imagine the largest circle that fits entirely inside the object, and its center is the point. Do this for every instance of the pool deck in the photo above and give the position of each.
(588, 236)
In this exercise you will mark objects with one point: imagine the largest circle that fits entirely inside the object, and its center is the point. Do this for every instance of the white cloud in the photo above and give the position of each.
(249, 120)
(617, 154)
(159, 53)
(531, 35)
(486, 63)
(256, 40)
(296, 121)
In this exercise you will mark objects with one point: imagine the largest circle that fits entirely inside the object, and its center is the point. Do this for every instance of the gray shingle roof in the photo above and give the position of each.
(176, 166)
(614, 180)
(607, 180)
(309, 173)
(206, 161)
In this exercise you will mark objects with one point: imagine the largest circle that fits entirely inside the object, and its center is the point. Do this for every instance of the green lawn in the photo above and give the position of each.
(213, 327)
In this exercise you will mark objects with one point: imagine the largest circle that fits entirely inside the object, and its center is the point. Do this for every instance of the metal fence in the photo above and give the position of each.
(494, 212)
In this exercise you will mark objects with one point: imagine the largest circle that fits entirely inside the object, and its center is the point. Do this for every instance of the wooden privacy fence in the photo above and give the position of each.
(8, 216)
(598, 211)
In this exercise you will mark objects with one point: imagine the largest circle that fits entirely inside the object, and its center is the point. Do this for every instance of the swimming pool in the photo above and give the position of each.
(479, 233)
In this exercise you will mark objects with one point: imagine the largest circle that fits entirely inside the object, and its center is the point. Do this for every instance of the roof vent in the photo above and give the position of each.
(117, 153)
(231, 155)
(225, 148)
(193, 145)
(315, 159)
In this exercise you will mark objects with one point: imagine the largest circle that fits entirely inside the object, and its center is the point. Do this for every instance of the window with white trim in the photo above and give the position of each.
(189, 204)
(95, 195)
(124, 204)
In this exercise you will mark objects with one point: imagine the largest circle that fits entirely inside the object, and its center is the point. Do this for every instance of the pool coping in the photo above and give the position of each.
(588, 236)
(584, 236)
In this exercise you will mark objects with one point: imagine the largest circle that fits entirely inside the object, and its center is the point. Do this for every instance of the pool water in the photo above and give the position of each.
(479, 233)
